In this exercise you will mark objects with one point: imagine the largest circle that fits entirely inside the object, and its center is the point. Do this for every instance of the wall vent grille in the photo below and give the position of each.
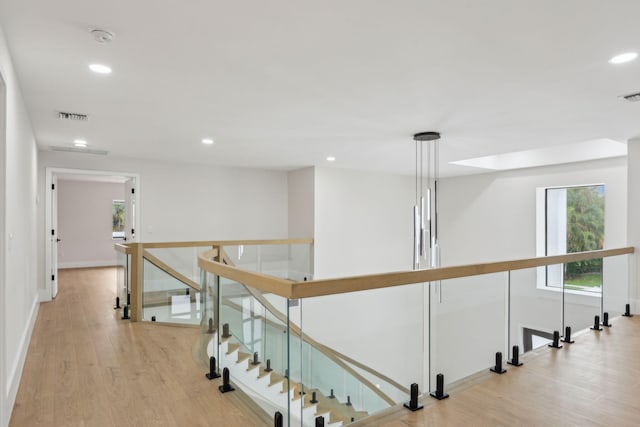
(73, 116)
(79, 150)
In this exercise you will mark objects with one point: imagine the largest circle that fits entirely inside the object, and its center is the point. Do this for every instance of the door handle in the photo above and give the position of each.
(58, 240)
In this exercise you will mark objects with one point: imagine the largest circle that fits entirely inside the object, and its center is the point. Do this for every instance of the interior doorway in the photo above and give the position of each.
(86, 213)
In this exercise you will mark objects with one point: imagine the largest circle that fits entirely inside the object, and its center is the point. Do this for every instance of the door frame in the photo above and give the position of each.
(46, 292)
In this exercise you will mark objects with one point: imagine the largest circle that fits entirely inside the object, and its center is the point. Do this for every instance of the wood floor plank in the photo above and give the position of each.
(88, 368)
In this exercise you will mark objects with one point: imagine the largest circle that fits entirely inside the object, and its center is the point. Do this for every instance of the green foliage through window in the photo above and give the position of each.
(118, 219)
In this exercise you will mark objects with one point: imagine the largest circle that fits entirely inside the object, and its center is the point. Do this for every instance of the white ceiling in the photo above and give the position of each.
(283, 84)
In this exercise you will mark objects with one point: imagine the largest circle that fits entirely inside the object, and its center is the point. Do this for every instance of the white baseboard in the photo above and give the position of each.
(15, 374)
(87, 264)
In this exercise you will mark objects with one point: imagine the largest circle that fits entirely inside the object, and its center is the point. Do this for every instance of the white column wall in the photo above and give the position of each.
(19, 305)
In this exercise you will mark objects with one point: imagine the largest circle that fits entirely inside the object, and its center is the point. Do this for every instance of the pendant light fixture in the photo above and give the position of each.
(426, 253)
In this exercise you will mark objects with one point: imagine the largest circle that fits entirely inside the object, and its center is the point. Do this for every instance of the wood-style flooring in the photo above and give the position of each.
(87, 367)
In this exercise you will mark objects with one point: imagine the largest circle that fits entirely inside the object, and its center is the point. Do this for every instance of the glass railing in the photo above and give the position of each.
(123, 279)
(167, 299)
(352, 348)
(288, 261)
(268, 329)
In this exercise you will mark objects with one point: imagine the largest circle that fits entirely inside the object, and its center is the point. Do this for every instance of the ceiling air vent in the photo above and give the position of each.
(79, 150)
(634, 97)
(72, 116)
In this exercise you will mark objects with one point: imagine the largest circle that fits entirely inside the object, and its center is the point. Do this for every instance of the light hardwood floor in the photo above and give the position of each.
(593, 382)
(87, 367)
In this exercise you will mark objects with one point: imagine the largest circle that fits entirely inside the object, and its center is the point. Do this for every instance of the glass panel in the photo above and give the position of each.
(167, 299)
(616, 284)
(468, 325)
(363, 348)
(581, 295)
(291, 262)
(535, 310)
(254, 330)
(122, 277)
(183, 260)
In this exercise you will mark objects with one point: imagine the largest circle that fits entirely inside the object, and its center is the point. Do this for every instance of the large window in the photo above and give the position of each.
(117, 230)
(574, 222)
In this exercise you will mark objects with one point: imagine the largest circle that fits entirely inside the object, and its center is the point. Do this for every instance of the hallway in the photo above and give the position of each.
(87, 367)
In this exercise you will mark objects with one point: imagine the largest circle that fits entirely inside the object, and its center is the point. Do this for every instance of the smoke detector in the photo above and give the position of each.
(634, 97)
(73, 116)
(102, 36)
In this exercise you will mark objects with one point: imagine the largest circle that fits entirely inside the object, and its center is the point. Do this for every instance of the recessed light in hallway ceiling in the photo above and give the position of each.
(623, 58)
(331, 159)
(207, 141)
(100, 68)
(80, 143)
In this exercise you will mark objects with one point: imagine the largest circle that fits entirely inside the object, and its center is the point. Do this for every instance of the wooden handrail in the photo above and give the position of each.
(314, 288)
(191, 244)
(122, 248)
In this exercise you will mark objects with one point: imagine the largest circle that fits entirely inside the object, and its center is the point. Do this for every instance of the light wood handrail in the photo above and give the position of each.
(122, 248)
(314, 288)
(190, 244)
(170, 271)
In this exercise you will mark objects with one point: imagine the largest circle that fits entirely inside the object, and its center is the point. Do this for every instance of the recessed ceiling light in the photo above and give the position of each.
(80, 143)
(331, 159)
(207, 141)
(623, 57)
(100, 68)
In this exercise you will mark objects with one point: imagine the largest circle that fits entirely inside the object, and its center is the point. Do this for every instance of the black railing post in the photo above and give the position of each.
(439, 393)
(213, 372)
(605, 320)
(498, 369)
(225, 331)
(117, 306)
(226, 382)
(278, 420)
(596, 324)
(515, 356)
(413, 404)
(627, 311)
(210, 330)
(125, 313)
(567, 335)
(320, 422)
(556, 340)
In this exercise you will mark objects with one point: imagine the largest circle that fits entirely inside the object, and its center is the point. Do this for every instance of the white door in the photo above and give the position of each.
(54, 236)
(130, 210)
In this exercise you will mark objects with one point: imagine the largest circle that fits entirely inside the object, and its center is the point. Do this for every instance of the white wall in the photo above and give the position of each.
(301, 187)
(85, 223)
(181, 202)
(363, 224)
(19, 303)
(491, 217)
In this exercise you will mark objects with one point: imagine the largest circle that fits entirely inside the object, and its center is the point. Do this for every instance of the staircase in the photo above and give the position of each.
(274, 392)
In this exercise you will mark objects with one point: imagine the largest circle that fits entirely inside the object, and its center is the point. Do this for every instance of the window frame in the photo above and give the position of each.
(541, 238)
